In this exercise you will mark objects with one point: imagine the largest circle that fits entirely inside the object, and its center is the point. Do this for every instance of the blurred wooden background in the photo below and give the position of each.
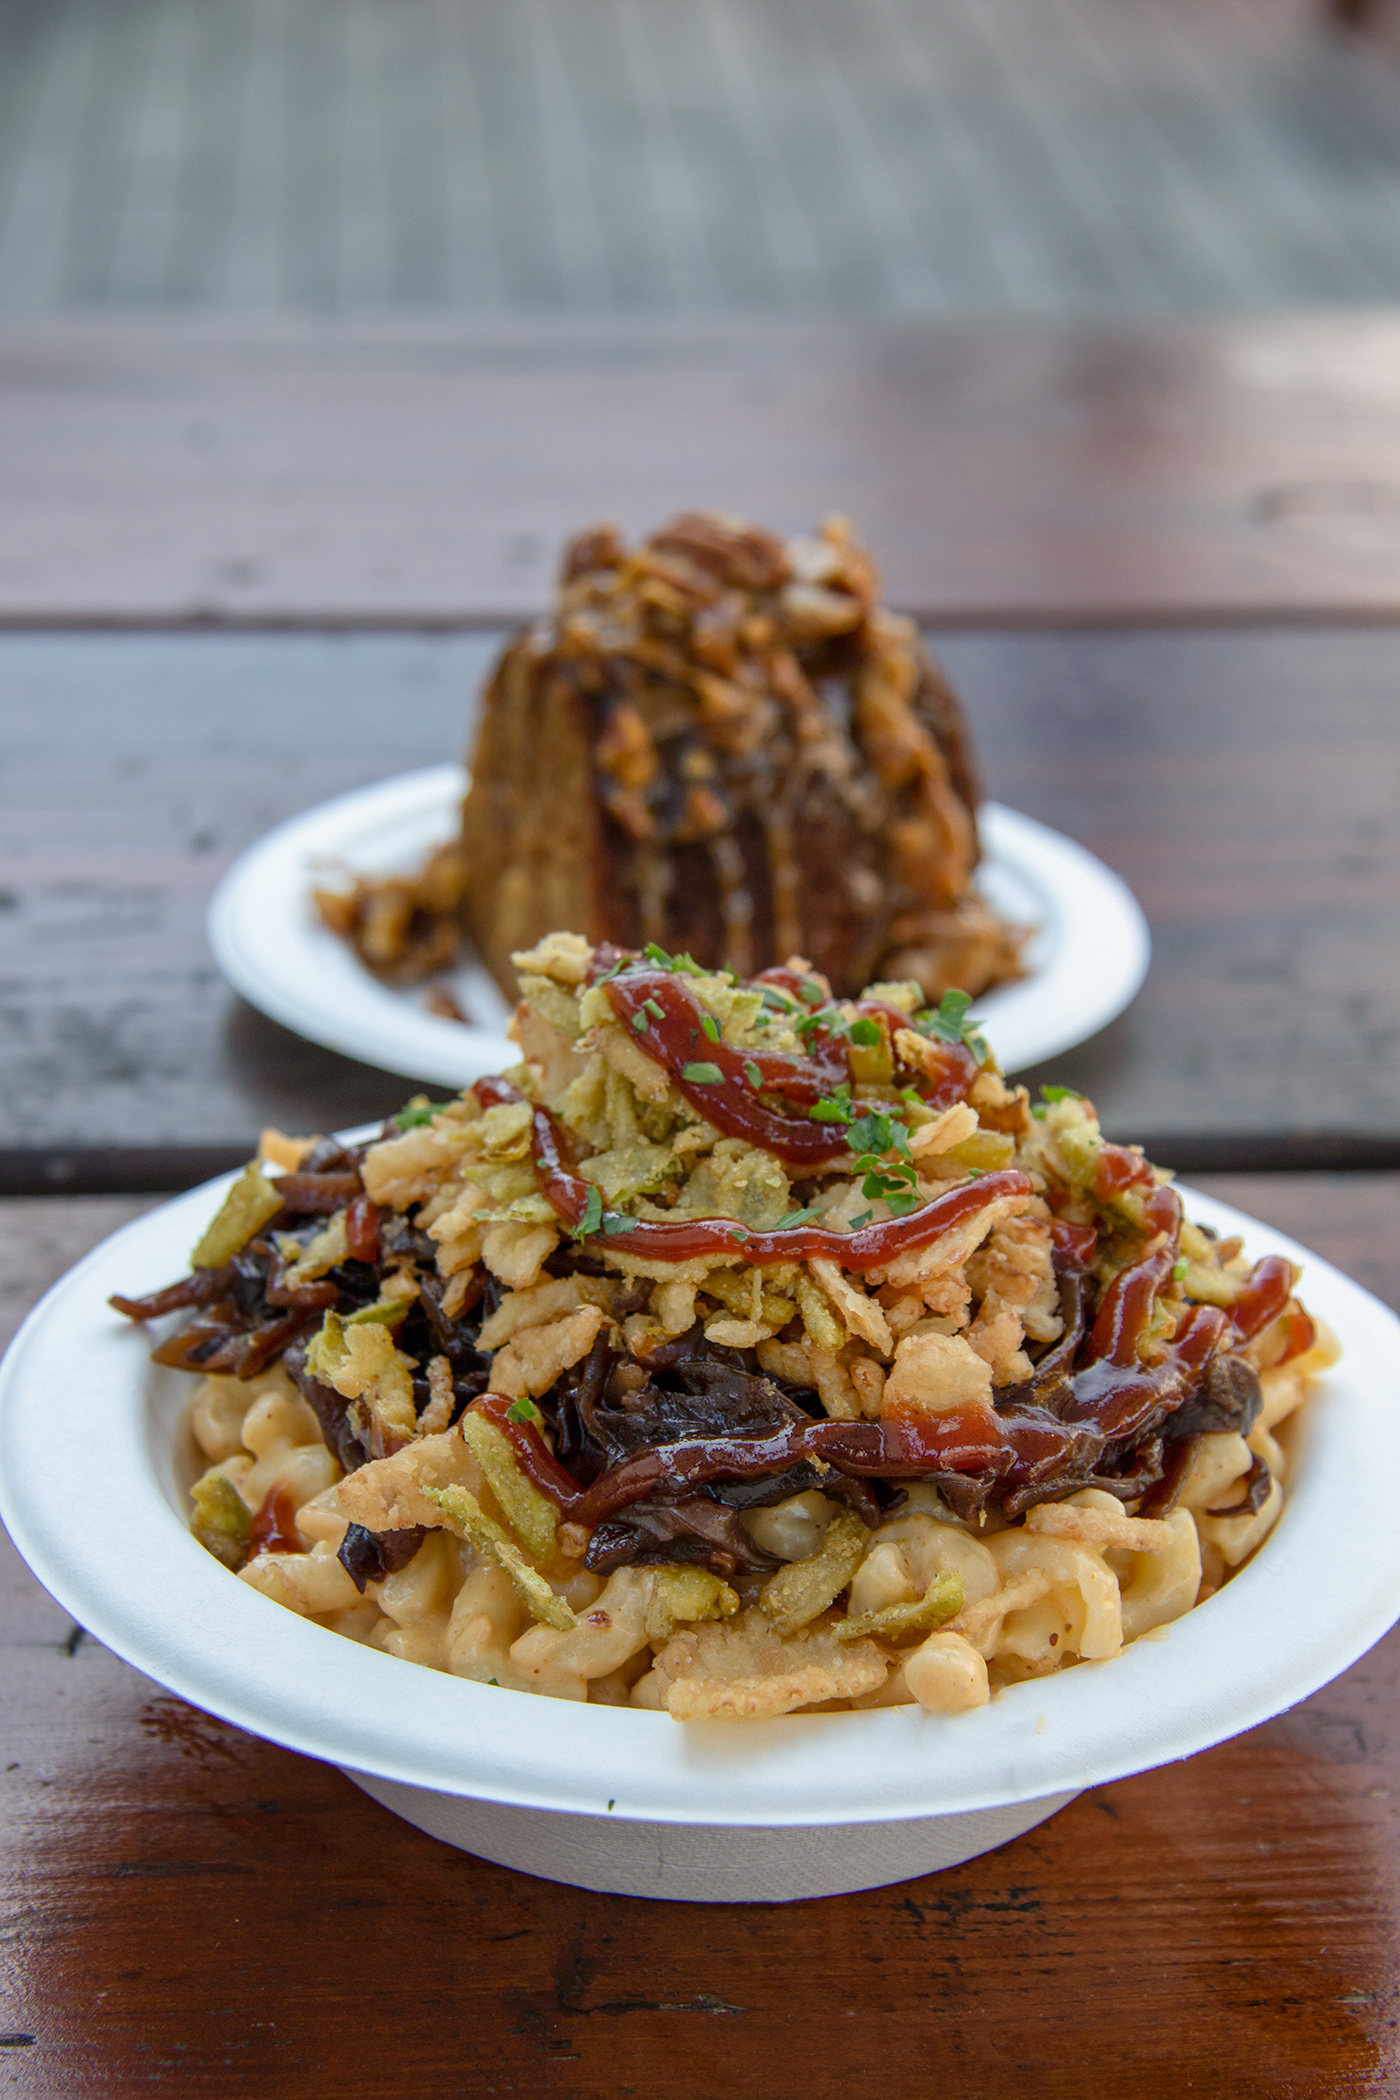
(1058, 159)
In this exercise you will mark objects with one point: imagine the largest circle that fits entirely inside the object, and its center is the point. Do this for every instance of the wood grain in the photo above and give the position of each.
(1244, 783)
(195, 1911)
(426, 471)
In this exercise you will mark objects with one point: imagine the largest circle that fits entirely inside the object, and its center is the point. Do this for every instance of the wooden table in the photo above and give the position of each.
(1164, 571)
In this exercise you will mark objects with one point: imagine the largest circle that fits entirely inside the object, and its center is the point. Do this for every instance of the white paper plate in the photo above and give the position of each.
(1086, 960)
(93, 1463)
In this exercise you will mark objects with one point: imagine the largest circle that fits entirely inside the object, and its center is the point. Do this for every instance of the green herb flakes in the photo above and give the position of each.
(701, 1075)
(949, 1023)
(686, 964)
(835, 1108)
(416, 1113)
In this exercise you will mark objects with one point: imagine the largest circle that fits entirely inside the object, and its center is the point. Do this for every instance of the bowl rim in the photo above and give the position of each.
(103, 1446)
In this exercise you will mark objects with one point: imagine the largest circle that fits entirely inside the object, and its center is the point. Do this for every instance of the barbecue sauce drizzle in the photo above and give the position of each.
(1048, 1434)
(1044, 1435)
(1050, 1431)
(668, 1022)
(870, 1248)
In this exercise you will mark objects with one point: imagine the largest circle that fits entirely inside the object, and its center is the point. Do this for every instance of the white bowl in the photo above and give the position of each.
(96, 1459)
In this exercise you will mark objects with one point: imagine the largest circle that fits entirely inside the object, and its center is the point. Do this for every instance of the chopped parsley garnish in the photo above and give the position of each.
(701, 1074)
(686, 964)
(874, 1135)
(1060, 1093)
(738, 1232)
(815, 994)
(615, 1223)
(710, 1026)
(946, 1019)
(592, 1217)
(1179, 1271)
(796, 1217)
(640, 1022)
(654, 1008)
(865, 1032)
(417, 1114)
(753, 1075)
(864, 1219)
(524, 1411)
(879, 1132)
(894, 1180)
(778, 1001)
(949, 1023)
(835, 1108)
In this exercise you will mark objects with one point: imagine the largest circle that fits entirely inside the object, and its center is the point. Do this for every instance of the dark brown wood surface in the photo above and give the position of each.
(1244, 782)
(422, 470)
(192, 1911)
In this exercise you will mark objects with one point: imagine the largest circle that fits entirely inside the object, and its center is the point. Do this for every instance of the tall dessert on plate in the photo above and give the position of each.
(721, 743)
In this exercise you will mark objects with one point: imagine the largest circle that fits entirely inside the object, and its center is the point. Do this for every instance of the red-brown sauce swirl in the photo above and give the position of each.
(870, 1248)
(669, 1024)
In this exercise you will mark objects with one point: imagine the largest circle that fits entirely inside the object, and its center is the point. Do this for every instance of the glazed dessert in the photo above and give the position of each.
(721, 743)
(742, 1350)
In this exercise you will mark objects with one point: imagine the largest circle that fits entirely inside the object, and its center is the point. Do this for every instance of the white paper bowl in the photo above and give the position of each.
(95, 1461)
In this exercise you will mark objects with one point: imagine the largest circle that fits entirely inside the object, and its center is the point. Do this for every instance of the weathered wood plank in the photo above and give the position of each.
(656, 157)
(417, 471)
(1244, 783)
